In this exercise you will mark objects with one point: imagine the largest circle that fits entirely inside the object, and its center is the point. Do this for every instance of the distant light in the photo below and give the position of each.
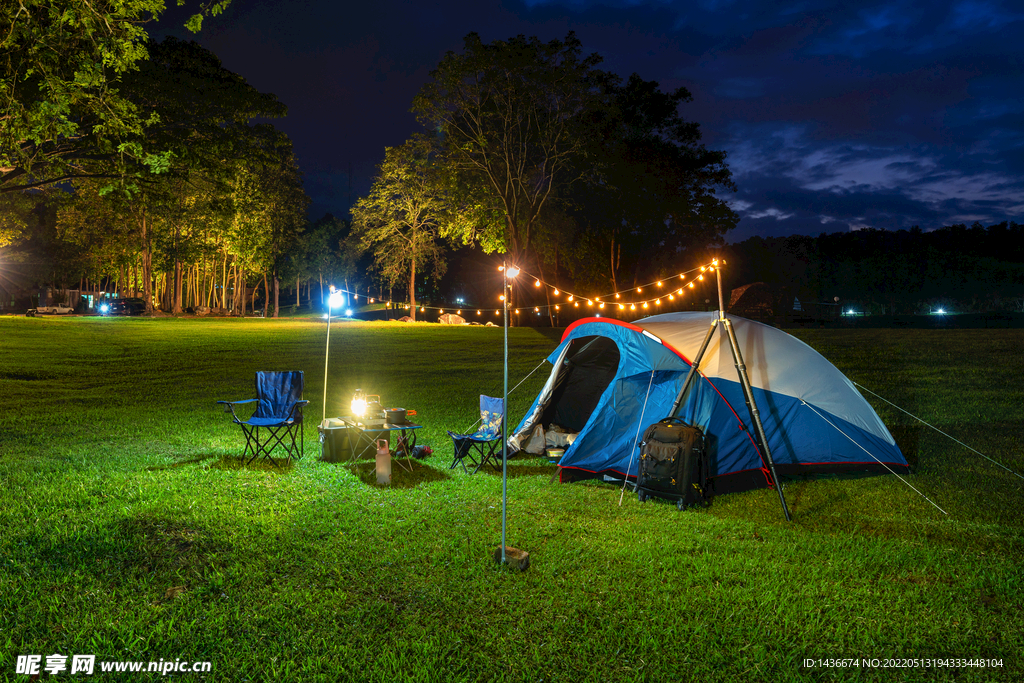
(104, 308)
(941, 311)
(512, 271)
(849, 313)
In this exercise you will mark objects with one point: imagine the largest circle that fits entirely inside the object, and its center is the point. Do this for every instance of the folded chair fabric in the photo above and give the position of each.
(278, 412)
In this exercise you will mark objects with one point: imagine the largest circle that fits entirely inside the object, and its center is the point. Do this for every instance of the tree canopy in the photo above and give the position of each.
(562, 161)
(61, 63)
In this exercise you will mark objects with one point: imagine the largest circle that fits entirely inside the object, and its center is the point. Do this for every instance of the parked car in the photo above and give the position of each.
(129, 306)
(57, 309)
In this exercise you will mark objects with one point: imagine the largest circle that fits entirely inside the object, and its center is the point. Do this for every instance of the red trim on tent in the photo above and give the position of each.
(631, 326)
(636, 328)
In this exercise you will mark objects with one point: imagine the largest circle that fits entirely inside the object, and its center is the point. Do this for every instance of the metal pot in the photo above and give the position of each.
(395, 416)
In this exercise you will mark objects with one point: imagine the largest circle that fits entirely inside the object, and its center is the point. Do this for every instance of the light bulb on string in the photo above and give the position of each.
(556, 292)
(659, 283)
(618, 296)
(632, 307)
(671, 298)
(700, 277)
(645, 304)
(570, 298)
(501, 297)
(638, 290)
(691, 287)
(658, 302)
(537, 283)
(622, 307)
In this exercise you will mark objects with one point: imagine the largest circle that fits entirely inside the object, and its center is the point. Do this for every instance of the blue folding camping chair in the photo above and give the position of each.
(482, 446)
(278, 412)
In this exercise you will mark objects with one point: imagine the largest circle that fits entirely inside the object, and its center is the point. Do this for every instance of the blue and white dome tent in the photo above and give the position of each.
(612, 379)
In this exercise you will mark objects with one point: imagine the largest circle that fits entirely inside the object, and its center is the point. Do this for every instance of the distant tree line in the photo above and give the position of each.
(881, 272)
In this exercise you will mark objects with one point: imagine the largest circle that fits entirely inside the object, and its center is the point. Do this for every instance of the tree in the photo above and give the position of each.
(400, 219)
(579, 166)
(653, 196)
(511, 116)
(60, 66)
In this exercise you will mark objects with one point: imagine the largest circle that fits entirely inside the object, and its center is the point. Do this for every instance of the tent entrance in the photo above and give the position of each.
(588, 369)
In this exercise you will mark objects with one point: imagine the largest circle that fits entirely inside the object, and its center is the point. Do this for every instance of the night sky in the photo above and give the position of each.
(835, 115)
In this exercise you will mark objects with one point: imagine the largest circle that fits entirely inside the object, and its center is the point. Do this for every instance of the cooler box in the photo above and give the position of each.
(336, 440)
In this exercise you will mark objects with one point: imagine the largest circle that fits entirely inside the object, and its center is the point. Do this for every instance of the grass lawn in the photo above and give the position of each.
(129, 530)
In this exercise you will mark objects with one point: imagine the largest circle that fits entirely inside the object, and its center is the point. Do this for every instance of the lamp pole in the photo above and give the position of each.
(332, 299)
(504, 413)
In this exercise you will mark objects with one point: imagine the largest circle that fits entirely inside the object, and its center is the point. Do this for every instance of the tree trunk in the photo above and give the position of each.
(412, 290)
(613, 264)
(298, 292)
(176, 293)
(277, 296)
(147, 267)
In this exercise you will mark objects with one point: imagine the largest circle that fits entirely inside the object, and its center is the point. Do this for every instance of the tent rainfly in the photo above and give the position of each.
(610, 379)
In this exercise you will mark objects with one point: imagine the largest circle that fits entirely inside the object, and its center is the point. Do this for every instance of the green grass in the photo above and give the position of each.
(129, 530)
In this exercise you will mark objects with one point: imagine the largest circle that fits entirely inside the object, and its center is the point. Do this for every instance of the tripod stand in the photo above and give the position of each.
(741, 370)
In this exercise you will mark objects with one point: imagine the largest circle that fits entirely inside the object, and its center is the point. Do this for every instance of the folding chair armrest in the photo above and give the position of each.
(229, 406)
(295, 406)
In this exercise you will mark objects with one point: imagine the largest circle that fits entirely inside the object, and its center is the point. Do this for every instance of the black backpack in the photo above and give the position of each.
(674, 464)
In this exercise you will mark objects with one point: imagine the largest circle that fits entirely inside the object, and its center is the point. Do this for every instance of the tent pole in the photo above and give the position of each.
(748, 394)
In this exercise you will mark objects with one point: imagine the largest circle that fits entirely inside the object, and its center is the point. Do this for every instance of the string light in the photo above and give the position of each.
(644, 304)
(501, 297)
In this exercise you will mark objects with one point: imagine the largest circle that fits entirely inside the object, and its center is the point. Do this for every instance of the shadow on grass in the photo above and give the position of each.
(528, 469)
(181, 463)
(172, 556)
(401, 477)
(908, 438)
(231, 462)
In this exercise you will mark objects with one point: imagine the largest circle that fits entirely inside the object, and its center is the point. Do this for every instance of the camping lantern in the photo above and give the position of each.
(359, 403)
